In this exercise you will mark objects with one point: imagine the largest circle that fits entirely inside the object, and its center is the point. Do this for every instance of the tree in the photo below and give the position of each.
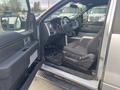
(36, 7)
(24, 11)
(4, 6)
(15, 6)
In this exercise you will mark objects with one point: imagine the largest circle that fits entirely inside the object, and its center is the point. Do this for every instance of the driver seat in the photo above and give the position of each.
(83, 54)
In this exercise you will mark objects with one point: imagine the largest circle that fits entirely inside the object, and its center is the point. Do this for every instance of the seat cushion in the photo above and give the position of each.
(73, 53)
(75, 49)
(78, 47)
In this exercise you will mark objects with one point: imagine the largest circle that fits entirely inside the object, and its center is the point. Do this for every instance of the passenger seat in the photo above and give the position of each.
(82, 54)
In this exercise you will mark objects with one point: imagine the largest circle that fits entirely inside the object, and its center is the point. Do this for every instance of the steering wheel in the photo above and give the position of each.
(65, 21)
(67, 26)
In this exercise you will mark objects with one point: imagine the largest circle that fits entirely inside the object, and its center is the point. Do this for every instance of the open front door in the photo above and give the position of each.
(19, 45)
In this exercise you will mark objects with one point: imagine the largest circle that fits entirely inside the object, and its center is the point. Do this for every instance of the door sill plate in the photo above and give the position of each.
(90, 84)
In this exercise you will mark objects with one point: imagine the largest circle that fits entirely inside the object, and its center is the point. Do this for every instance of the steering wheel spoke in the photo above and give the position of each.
(67, 26)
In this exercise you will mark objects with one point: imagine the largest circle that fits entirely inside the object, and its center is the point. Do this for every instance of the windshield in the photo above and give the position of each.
(13, 14)
(70, 10)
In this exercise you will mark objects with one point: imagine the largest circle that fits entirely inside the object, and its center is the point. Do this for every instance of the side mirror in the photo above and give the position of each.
(10, 23)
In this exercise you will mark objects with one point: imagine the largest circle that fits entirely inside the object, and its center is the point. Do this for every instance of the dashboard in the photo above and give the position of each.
(57, 30)
(62, 25)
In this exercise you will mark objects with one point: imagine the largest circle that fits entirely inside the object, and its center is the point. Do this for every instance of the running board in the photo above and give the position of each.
(90, 84)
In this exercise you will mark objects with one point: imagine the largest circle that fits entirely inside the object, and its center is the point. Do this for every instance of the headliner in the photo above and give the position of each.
(91, 3)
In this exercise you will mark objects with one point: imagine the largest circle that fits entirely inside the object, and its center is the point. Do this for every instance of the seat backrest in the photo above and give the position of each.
(92, 27)
(94, 44)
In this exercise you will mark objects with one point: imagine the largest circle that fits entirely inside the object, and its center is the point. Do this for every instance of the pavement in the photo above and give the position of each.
(41, 84)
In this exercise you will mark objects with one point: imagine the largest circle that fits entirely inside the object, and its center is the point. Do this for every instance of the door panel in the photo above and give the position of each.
(15, 55)
(19, 45)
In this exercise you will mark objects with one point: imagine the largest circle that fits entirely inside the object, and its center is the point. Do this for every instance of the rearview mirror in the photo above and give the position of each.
(74, 6)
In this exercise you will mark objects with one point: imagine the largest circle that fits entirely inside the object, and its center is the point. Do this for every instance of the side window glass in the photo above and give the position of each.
(39, 6)
(96, 14)
(13, 15)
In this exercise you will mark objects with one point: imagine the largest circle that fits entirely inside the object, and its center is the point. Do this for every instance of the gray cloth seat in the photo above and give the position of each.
(83, 53)
(78, 47)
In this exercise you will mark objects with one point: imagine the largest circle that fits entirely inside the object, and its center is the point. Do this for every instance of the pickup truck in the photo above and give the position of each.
(81, 50)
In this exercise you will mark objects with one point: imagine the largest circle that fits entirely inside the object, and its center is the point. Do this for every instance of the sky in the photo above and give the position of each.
(44, 3)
